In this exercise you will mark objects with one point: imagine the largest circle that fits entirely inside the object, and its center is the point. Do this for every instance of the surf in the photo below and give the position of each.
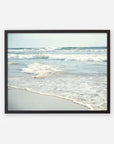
(40, 70)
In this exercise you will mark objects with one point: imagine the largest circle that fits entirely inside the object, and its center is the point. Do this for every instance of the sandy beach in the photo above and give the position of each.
(25, 100)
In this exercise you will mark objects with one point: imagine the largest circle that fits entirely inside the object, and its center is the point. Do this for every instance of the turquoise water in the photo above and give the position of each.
(75, 73)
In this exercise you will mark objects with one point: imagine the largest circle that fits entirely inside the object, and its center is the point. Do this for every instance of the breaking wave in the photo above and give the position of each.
(87, 49)
(40, 70)
(81, 48)
(65, 57)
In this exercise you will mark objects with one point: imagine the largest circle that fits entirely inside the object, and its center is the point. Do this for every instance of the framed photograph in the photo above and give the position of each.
(57, 71)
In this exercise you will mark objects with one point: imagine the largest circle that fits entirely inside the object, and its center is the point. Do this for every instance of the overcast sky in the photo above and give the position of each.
(27, 40)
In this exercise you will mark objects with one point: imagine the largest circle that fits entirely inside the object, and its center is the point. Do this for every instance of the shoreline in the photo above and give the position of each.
(19, 99)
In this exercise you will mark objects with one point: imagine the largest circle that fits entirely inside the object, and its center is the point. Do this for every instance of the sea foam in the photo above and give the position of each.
(77, 57)
(65, 57)
(40, 70)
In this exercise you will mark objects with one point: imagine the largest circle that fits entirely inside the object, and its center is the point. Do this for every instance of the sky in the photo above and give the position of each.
(28, 40)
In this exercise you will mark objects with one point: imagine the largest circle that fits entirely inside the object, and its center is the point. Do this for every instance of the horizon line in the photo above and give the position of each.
(63, 47)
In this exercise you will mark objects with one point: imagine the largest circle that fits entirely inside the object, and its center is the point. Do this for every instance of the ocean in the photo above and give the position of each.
(78, 74)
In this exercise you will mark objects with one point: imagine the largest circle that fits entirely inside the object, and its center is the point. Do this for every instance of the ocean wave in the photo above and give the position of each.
(23, 56)
(80, 48)
(65, 57)
(40, 70)
(77, 57)
(26, 49)
(18, 50)
(85, 49)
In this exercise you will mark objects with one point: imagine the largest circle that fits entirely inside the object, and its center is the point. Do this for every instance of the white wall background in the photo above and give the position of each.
(55, 129)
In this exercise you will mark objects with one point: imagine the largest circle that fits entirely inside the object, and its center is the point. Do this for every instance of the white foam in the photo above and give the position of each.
(86, 50)
(22, 56)
(12, 55)
(18, 50)
(84, 90)
(40, 70)
(78, 57)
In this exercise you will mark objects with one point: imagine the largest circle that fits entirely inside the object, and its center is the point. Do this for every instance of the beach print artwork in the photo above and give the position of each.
(57, 72)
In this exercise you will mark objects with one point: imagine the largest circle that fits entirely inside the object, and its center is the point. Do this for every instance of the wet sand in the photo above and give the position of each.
(25, 100)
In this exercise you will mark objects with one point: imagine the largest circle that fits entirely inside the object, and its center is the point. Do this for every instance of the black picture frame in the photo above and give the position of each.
(6, 32)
